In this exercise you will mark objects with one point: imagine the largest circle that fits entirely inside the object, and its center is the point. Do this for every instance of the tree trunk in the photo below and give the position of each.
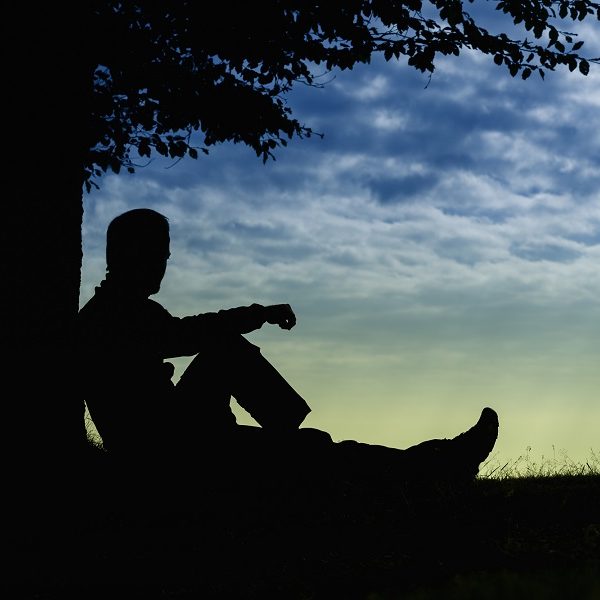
(47, 92)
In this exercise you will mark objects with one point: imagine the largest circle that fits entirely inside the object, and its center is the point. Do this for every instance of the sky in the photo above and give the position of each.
(440, 247)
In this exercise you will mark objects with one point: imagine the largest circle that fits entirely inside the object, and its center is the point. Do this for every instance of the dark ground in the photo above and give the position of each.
(514, 538)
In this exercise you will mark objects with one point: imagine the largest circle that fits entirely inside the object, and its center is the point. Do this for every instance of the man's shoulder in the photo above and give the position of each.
(105, 309)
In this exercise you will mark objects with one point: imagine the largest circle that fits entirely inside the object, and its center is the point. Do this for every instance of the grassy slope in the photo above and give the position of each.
(517, 537)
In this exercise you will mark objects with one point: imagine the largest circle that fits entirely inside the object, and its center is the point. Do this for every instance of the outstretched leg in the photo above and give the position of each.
(454, 459)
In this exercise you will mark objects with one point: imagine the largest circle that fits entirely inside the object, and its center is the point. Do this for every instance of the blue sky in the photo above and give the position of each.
(440, 246)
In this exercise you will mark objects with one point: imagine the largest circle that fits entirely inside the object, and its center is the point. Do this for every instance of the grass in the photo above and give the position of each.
(525, 465)
(525, 530)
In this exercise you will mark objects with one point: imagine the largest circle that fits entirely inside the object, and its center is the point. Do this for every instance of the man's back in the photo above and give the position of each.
(125, 382)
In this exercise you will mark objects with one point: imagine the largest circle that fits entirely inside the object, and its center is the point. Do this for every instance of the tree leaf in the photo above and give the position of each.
(584, 66)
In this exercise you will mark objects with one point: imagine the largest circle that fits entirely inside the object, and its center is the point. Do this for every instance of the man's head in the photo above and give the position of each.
(137, 249)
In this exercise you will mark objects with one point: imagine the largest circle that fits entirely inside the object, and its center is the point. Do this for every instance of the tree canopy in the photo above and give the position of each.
(164, 70)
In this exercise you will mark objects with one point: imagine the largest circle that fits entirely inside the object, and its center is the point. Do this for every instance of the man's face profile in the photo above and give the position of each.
(154, 265)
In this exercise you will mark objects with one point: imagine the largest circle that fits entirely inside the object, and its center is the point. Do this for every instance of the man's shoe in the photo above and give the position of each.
(474, 445)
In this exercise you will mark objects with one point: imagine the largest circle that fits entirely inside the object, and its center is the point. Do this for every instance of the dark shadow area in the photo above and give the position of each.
(123, 533)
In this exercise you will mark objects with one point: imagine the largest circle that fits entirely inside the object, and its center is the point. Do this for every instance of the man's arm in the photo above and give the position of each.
(180, 335)
(245, 319)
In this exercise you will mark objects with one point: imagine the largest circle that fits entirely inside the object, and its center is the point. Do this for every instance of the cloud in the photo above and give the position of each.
(372, 86)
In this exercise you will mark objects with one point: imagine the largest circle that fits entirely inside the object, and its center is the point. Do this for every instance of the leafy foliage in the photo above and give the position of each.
(164, 70)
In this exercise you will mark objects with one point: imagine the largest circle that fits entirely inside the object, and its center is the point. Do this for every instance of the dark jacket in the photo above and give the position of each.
(123, 341)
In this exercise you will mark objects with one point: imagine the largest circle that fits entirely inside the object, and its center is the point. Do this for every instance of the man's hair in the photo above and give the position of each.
(135, 234)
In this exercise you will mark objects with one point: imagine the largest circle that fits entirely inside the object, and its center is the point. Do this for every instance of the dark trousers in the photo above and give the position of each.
(231, 366)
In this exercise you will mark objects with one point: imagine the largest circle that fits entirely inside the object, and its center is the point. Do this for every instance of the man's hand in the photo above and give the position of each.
(282, 315)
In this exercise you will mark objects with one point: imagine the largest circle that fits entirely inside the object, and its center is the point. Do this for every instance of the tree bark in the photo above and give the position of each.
(46, 102)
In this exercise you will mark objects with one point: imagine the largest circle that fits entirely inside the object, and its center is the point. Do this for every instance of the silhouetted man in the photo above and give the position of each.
(125, 339)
